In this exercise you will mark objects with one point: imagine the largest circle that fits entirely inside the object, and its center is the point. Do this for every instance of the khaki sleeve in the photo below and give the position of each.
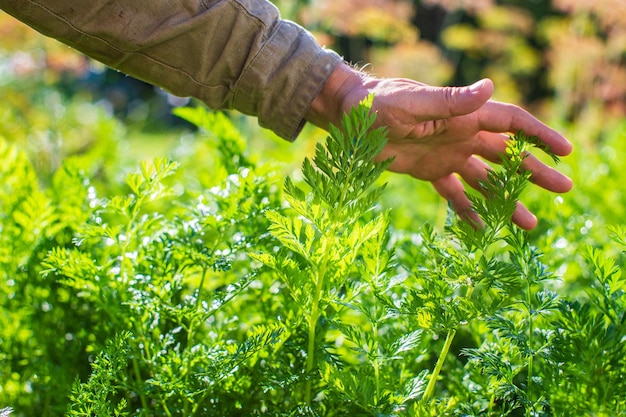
(230, 54)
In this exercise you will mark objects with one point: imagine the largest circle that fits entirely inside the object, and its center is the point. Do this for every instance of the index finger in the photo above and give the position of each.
(500, 117)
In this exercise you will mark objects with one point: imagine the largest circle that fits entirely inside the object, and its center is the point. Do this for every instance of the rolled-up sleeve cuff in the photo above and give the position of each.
(283, 78)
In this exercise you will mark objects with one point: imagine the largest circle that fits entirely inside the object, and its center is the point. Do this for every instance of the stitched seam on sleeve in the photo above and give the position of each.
(302, 75)
(259, 22)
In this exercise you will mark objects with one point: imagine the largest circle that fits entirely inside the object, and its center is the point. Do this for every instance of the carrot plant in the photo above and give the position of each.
(205, 289)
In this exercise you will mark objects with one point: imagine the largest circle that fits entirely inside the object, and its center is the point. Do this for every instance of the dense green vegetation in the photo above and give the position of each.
(222, 278)
(197, 291)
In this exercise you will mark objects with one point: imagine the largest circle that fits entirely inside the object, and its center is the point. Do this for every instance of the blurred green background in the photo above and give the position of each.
(564, 60)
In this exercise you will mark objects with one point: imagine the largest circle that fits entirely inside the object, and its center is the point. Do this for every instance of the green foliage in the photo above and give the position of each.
(189, 289)
(92, 397)
(153, 264)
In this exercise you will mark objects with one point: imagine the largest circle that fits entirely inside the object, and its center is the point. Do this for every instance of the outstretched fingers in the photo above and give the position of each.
(507, 118)
(474, 172)
(546, 176)
(492, 146)
(453, 191)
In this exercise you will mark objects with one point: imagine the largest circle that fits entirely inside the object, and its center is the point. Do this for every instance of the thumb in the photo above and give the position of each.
(464, 100)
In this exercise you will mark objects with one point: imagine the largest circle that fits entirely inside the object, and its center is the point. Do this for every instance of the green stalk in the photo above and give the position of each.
(320, 277)
(530, 346)
(492, 402)
(166, 409)
(139, 380)
(376, 364)
(190, 337)
(310, 359)
(337, 215)
(192, 324)
(442, 357)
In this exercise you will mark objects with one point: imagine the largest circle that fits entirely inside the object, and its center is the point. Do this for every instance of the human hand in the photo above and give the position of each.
(440, 133)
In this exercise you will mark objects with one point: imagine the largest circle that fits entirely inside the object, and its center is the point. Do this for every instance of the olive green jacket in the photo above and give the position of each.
(231, 54)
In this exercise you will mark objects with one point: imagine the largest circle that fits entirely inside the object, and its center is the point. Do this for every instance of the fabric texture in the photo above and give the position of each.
(231, 54)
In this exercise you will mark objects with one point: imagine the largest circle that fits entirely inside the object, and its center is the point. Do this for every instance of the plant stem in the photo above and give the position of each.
(319, 285)
(531, 354)
(310, 359)
(139, 380)
(190, 337)
(166, 409)
(442, 357)
(376, 364)
(192, 324)
(492, 402)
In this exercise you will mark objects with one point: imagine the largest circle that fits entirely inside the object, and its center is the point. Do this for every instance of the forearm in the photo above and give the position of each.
(228, 53)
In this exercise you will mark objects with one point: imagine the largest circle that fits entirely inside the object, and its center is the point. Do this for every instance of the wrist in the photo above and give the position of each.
(344, 88)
